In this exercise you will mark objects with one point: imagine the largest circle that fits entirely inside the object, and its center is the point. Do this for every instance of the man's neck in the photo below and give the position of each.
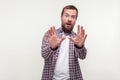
(66, 32)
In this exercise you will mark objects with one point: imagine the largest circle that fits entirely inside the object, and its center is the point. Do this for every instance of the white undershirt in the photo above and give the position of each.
(62, 65)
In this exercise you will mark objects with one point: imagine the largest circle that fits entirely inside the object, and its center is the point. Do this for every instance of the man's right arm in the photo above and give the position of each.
(46, 50)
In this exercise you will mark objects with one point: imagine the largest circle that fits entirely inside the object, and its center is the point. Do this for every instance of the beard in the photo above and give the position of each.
(67, 28)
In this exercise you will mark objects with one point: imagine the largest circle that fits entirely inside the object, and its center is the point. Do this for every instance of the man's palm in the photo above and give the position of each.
(53, 40)
(80, 37)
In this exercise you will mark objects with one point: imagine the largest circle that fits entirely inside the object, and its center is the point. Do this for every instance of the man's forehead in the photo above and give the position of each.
(70, 11)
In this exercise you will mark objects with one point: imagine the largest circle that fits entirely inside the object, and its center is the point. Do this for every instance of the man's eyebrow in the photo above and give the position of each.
(66, 13)
(69, 14)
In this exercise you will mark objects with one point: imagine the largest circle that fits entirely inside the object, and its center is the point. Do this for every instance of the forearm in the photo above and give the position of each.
(80, 52)
(46, 50)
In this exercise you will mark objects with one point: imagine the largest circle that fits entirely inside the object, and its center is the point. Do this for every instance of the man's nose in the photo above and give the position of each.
(69, 18)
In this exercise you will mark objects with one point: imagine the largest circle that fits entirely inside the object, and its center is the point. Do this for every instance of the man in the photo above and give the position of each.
(61, 48)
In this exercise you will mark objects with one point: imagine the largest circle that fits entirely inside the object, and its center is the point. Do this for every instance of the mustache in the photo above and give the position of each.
(66, 30)
(69, 23)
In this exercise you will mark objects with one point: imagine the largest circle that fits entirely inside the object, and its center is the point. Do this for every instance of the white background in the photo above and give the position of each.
(24, 22)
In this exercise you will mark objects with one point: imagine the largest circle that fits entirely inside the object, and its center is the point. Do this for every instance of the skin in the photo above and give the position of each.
(68, 20)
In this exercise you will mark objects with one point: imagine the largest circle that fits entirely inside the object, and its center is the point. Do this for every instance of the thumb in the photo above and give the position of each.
(71, 39)
(62, 39)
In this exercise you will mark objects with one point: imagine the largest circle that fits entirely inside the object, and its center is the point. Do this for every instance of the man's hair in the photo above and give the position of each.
(69, 7)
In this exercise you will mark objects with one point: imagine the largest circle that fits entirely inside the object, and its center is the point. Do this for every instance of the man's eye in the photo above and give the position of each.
(73, 17)
(66, 15)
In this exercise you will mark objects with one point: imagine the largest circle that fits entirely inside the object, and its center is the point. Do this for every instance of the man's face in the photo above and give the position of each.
(68, 19)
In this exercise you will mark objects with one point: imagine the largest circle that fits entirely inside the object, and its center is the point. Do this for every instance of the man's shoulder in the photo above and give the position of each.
(59, 30)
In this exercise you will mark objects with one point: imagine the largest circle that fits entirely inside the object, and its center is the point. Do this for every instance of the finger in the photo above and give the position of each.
(50, 32)
(48, 35)
(62, 39)
(85, 37)
(82, 31)
(71, 39)
(53, 29)
(78, 29)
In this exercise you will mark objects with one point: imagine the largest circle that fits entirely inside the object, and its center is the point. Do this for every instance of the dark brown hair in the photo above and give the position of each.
(69, 7)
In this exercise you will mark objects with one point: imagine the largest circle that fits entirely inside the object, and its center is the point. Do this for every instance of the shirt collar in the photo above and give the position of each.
(61, 31)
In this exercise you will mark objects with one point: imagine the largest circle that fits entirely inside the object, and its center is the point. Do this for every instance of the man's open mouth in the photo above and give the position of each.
(68, 23)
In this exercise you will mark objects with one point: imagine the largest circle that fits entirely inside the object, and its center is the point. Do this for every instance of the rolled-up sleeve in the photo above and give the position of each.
(46, 50)
(80, 52)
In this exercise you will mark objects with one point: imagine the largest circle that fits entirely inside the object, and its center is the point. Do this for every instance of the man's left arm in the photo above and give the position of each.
(80, 52)
(79, 40)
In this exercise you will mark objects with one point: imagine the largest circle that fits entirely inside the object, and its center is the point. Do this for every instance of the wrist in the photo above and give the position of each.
(79, 47)
(54, 48)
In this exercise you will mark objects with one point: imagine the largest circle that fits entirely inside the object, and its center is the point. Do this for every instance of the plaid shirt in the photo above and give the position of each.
(50, 57)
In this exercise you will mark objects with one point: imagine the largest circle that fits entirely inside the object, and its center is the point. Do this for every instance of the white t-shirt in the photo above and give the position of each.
(62, 65)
